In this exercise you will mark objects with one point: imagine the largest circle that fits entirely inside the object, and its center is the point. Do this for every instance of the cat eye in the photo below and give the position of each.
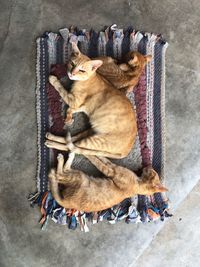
(82, 70)
(73, 64)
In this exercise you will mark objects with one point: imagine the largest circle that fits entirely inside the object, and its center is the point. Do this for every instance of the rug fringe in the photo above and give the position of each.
(111, 39)
(126, 211)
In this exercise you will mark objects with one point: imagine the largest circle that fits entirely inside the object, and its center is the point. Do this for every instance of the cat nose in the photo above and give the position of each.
(74, 72)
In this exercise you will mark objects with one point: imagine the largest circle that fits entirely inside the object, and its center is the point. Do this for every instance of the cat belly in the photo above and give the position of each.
(116, 125)
(103, 202)
(95, 198)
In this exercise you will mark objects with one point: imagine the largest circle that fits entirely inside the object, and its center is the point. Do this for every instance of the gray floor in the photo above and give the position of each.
(174, 243)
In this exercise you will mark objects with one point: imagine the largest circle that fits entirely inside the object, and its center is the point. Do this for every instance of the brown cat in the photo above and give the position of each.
(112, 118)
(73, 189)
(124, 76)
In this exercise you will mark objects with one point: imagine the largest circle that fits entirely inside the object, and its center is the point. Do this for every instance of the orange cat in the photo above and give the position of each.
(73, 189)
(112, 118)
(124, 76)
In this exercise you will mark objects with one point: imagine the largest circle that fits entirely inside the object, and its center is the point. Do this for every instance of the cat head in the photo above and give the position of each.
(136, 59)
(151, 182)
(81, 67)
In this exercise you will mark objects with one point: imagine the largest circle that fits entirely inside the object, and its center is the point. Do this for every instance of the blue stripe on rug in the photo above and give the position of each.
(157, 148)
(109, 45)
(44, 73)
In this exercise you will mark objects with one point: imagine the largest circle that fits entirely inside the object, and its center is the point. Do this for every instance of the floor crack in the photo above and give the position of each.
(8, 27)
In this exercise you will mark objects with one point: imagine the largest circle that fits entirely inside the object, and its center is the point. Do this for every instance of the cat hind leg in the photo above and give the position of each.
(55, 138)
(60, 165)
(54, 185)
(100, 165)
(68, 163)
(56, 145)
(95, 145)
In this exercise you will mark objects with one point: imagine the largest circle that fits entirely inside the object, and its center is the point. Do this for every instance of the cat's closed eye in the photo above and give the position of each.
(73, 64)
(82, 71)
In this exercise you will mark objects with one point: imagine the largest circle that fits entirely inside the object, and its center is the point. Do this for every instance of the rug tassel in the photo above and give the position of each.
(35, 199)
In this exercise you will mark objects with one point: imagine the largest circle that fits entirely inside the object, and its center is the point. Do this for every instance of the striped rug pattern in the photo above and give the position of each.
(53, 52)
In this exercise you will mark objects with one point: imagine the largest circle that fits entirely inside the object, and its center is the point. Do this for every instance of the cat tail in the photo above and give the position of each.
(69, 143)
(106, 169)
(54, 185)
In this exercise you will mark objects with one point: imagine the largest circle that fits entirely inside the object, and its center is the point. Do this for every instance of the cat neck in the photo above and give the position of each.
(92, 85)
(142, 188)
(136, 71)
(137, 186)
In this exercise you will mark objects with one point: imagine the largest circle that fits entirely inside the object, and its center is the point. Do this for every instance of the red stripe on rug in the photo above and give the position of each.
(140, 101)
(55, 111)
(55, 105)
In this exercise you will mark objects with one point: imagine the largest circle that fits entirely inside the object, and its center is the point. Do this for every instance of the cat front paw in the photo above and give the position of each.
(53, 79)
(69, 122)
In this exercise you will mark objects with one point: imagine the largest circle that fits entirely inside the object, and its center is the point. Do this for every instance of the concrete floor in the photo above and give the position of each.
(174, 243)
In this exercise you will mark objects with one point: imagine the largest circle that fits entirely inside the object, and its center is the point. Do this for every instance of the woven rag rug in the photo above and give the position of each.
(53, 52)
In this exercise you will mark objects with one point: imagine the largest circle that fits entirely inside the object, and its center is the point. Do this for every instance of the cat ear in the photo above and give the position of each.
(75, 49)
(159, 188)
(148, 58)
(95, 64)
